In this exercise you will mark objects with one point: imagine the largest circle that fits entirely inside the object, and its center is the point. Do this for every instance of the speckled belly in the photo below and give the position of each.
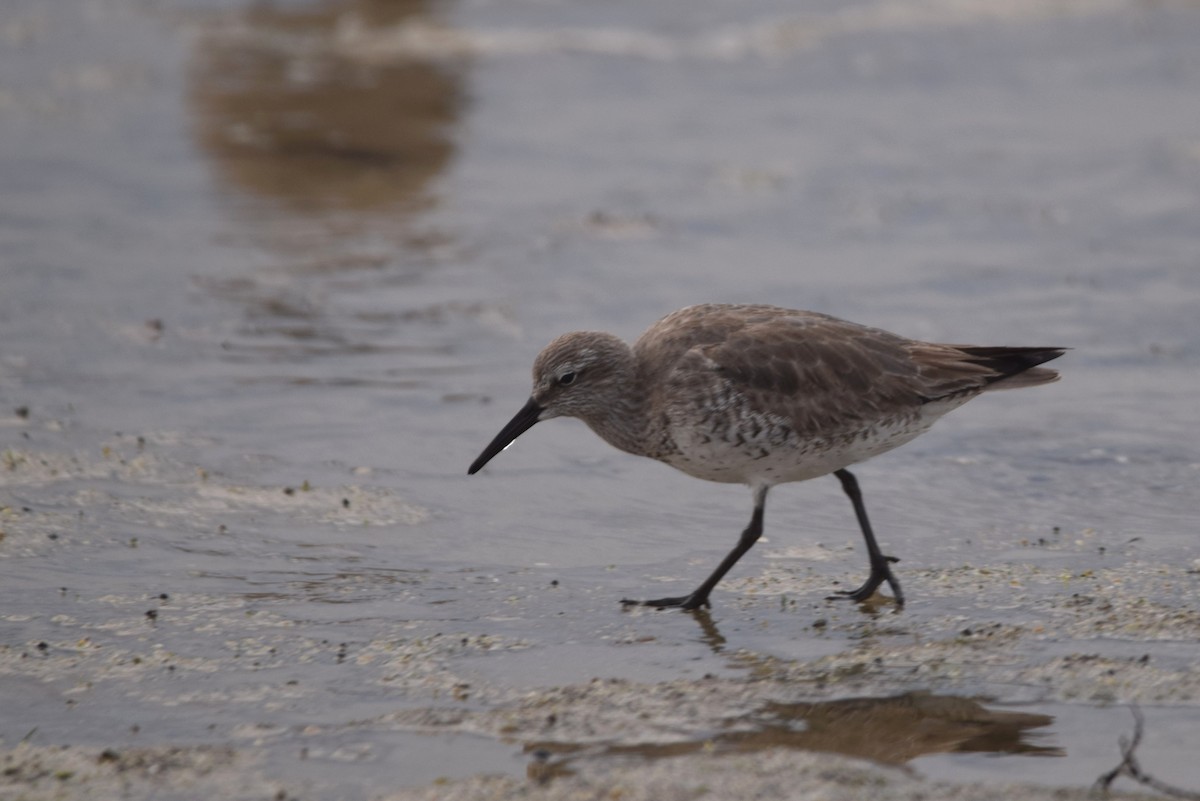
(770, 452)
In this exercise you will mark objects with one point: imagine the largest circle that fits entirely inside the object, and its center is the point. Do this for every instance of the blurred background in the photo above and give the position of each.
(273, 273)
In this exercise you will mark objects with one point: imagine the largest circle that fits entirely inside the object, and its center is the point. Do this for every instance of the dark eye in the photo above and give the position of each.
(566, 378)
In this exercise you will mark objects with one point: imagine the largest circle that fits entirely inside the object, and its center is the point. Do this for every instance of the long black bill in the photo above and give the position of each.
(517, 426)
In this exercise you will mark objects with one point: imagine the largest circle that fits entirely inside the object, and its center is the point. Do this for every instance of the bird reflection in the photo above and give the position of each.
(710, 635)
(326, 153)
(287, 113)
(893, 731)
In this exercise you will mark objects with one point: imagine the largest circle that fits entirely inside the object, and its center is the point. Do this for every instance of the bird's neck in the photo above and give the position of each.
(624, 419)
(628, 436)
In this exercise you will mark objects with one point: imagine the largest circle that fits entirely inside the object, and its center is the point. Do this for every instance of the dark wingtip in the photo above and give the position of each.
(1008, 362)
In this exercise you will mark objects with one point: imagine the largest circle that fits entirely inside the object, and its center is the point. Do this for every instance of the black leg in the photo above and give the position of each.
(699, 596)
(880, 569)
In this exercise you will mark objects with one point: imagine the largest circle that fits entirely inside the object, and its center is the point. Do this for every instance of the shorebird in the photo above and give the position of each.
(761, 395)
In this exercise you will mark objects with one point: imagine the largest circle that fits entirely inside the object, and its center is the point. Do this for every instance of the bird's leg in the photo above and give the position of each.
(699, 596)
(880, 570)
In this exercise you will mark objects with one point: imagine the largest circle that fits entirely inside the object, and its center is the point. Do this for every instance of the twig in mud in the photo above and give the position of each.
(1129, 766)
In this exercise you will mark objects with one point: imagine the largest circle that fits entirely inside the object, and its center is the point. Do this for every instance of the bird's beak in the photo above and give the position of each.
(522, 422)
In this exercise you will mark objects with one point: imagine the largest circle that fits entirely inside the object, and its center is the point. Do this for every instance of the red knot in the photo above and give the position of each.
(761, 395)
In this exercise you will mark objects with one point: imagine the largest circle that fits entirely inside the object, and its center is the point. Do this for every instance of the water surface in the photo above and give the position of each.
(272, 275)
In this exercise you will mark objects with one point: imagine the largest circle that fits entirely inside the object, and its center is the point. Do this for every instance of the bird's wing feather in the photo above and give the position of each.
(819, 373)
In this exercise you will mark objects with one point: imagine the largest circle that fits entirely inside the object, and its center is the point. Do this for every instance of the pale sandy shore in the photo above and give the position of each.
(835, 726)
(33, 773)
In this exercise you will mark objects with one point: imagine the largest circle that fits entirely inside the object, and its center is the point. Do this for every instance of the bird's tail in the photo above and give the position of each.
(1014, 368)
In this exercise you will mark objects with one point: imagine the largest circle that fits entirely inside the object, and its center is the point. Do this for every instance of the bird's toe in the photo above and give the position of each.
(675, 602)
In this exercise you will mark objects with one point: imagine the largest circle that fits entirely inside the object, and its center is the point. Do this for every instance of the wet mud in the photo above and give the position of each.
(271, 275)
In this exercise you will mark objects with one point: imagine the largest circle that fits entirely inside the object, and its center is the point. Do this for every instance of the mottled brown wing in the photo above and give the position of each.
(820, 373)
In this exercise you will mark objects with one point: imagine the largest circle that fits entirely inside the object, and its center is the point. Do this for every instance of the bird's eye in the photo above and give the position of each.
(566, 378)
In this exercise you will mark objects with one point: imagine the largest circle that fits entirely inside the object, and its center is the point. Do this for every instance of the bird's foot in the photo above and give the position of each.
(879, 574)
(692, 601)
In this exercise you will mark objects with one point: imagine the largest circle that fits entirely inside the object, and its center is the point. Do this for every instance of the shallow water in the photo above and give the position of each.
(272, 275)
